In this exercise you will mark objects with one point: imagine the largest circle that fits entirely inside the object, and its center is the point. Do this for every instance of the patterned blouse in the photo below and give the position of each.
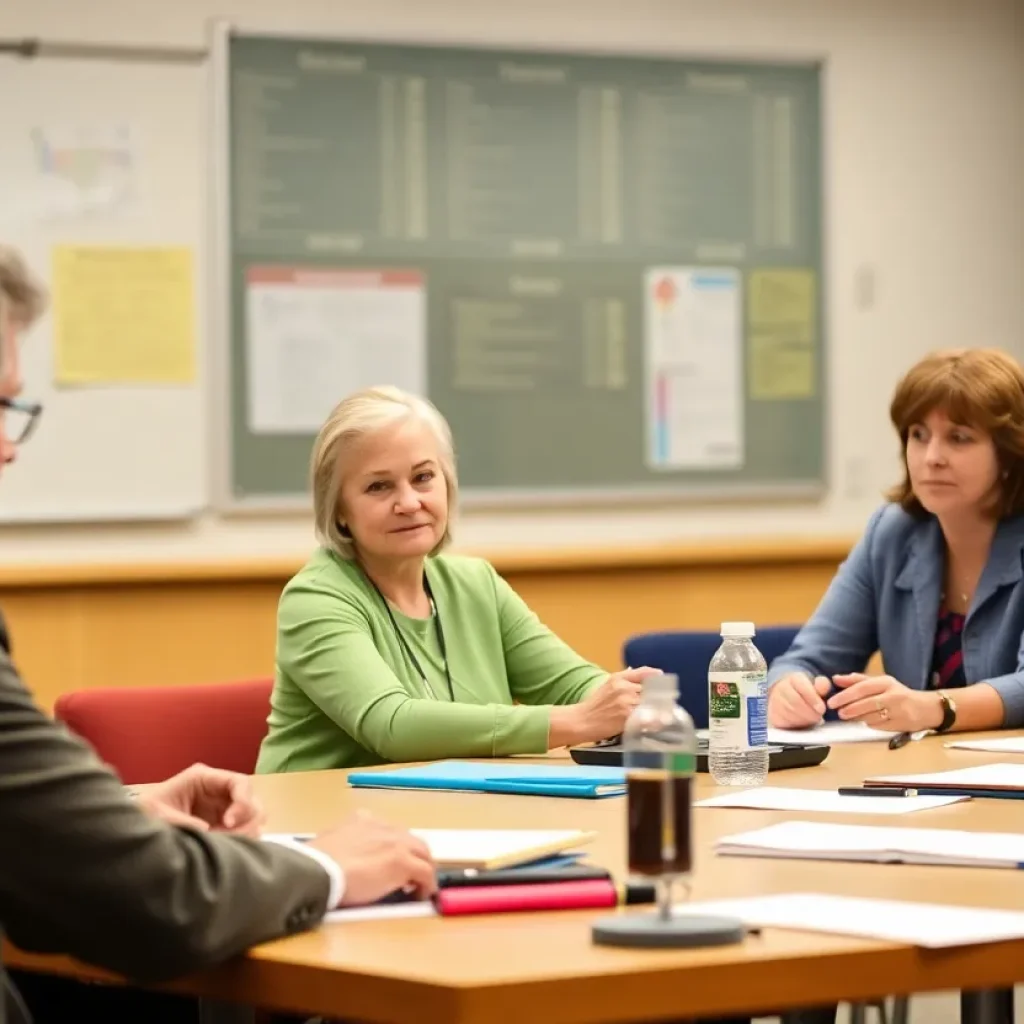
(948, 657)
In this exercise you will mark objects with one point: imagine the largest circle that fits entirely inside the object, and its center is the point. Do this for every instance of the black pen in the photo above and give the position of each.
(901, 739)
(520, 876)
(876, 791)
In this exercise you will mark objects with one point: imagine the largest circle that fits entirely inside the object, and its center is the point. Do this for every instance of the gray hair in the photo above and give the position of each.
(20, 290)
(354, 418)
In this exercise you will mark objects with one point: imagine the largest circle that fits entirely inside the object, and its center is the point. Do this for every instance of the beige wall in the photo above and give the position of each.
(124, 626)
(924, 215)
(925, 247)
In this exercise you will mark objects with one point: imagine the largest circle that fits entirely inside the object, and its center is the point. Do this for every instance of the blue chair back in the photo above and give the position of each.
(688, 654)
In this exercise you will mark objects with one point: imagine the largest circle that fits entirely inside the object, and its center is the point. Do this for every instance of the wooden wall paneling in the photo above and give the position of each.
(181, 623)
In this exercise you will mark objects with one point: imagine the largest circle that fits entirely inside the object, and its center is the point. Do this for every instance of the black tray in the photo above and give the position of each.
(780, 756)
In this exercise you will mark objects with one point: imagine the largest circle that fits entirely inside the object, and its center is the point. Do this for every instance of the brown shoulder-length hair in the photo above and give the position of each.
(982, 388)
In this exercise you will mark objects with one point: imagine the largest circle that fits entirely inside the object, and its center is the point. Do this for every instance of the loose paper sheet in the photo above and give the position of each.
(826, 801)
(930, 925)
(829, 733)
(1000, 745)
(999, 775)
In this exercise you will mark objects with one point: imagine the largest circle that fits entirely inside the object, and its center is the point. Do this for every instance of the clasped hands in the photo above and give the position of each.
(797, 702)
(208, 799)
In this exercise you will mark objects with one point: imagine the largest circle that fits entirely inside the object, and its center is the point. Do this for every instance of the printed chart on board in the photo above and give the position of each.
(693, 341)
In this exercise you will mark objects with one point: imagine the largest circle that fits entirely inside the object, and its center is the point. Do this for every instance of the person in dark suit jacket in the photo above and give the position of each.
(936, 583)
(88, 871)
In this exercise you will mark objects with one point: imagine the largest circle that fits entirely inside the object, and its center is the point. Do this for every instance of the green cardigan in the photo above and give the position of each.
(346, 693)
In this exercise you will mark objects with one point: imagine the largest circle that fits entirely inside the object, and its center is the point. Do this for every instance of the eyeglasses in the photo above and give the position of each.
(20, 418)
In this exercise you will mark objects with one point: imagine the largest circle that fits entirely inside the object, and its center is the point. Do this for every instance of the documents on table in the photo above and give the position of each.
(382, 912)
(1001, 778)
(829, 733)
(930, 925)
(483, 848)
(495, 848)
(826, 801)
(877, 844)
(996, 745)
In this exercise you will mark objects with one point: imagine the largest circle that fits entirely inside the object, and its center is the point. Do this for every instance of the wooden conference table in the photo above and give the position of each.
(544, 968)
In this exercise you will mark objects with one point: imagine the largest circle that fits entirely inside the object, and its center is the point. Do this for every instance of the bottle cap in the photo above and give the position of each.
(738, 629)
(665, 684)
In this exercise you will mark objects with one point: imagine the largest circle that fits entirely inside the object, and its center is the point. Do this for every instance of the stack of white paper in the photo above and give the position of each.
(382, 912)
(482, 847)
(829, 733)
(1000, 777)
(826, 801)
(999, 745)
(498, 847)
(929, 925)
(878, 844)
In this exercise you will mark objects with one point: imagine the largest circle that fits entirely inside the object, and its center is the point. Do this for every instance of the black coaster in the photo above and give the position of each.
(651, 931)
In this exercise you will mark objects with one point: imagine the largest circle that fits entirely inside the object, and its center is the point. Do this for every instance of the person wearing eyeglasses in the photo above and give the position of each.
(20, 421)
(21, 303)
(158, 886)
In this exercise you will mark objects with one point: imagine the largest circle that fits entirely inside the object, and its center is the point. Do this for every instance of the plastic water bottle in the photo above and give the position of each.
(660, 758)
(738, 709)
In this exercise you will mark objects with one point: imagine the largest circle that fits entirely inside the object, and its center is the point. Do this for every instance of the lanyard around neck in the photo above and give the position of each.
(410, 654)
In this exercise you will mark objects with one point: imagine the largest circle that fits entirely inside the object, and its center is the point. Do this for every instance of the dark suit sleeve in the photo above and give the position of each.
(84, 872)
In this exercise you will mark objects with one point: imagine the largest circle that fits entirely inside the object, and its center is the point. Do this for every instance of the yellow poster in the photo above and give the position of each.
(123, 315)
(781, 320)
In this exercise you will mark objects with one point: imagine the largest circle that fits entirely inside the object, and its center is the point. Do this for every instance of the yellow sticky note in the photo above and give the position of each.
(782, 297)
(123, 315)
(781, 320)
(780, 370)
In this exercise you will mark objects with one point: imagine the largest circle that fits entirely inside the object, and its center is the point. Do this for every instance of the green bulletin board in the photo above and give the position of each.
(604, 270)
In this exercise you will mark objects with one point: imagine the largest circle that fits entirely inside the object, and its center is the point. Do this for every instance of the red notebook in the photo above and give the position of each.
(496, 899)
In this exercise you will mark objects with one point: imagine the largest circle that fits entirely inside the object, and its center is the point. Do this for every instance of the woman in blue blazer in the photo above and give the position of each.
(936, 584)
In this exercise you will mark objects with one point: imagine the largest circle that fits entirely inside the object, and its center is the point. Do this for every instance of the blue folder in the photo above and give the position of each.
(482, 777)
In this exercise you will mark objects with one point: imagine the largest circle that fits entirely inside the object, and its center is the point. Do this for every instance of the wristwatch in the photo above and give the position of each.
(948, 712)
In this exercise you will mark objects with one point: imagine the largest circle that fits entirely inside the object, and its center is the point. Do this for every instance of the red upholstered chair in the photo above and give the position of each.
(148, 733)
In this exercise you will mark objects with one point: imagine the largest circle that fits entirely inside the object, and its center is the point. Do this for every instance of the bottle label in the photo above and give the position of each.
(738, 710)
(670, 762)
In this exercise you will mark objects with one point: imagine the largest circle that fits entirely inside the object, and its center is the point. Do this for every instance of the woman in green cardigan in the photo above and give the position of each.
(389, 650)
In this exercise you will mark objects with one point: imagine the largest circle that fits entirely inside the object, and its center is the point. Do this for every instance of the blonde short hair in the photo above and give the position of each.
(20, 290)
(354, 418)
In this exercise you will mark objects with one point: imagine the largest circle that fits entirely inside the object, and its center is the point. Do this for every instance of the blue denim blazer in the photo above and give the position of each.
(885, 597)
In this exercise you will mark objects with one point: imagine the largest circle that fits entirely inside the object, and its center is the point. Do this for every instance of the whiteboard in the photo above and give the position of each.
(106, 453)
